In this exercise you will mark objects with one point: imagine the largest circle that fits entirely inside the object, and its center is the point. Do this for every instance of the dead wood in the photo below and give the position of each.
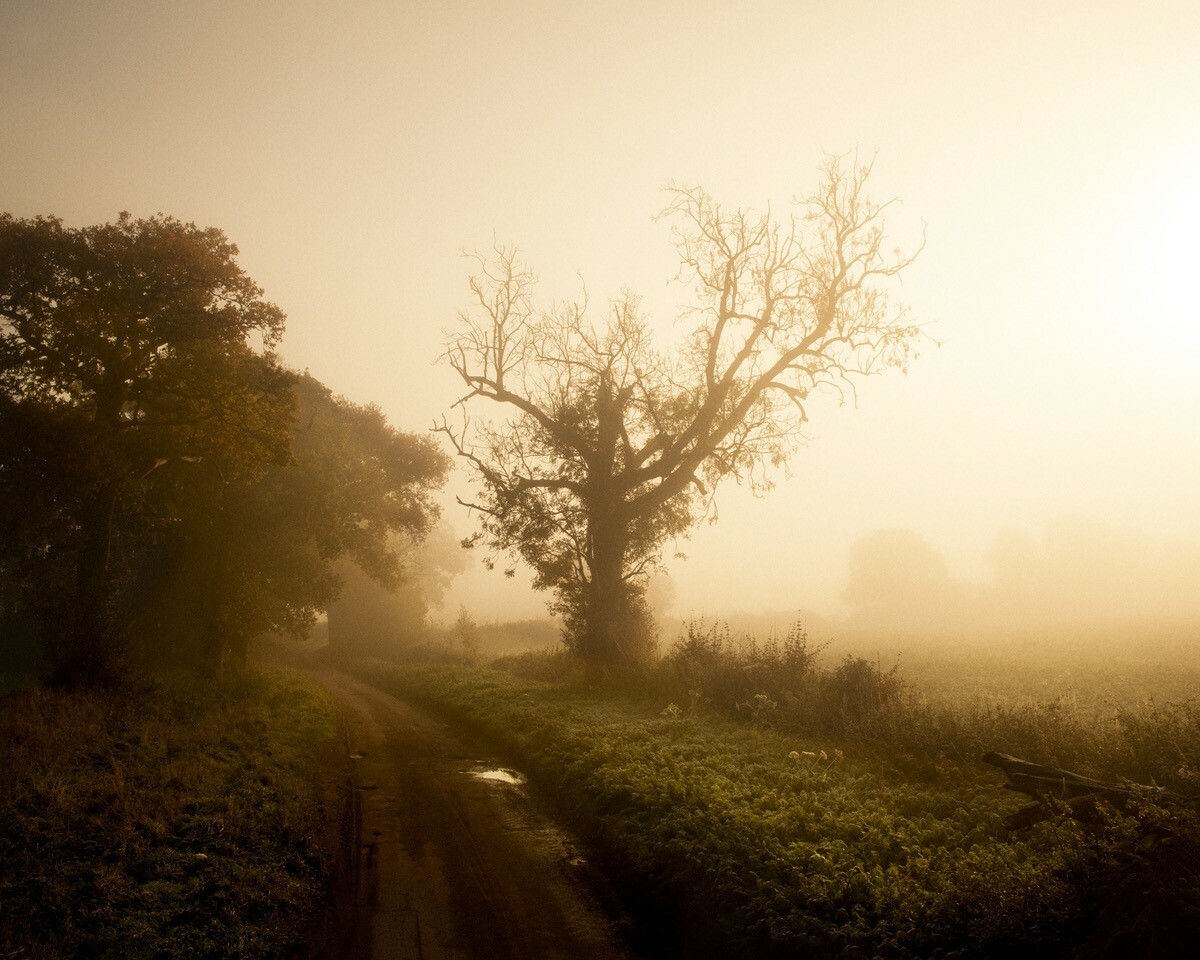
(1060, 791)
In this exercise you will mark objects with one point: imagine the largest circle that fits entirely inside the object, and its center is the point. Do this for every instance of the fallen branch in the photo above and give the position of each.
(1056, 790)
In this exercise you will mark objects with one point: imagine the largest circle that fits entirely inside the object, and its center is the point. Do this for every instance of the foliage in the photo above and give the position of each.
(779, 843)
(369, 618)
(251, 558)
(127, 347)
(612, 447)
(706, 663)
(176, 821)
(175, 492)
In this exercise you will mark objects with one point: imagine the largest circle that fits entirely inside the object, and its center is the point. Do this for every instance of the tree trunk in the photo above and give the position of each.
(90, 656)
(1057, 790)
(605, 599)
(615, 630)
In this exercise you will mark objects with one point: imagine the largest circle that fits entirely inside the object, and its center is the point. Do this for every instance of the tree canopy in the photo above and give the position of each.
(603, 447)
(265, 556)
(162, 476)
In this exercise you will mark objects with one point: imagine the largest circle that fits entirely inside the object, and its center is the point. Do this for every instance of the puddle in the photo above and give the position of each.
(496, 775)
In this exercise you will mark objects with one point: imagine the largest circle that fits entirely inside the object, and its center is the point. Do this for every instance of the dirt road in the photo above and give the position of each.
(456, 857)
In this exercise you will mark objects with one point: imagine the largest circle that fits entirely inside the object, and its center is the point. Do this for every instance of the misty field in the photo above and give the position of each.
(176, 820)
(765, 800)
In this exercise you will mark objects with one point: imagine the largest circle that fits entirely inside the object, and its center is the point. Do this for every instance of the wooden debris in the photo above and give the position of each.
(1056, 790)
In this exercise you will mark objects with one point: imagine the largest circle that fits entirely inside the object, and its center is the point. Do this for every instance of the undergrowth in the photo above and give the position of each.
(786, 683)
(776, 805)
(176, 820)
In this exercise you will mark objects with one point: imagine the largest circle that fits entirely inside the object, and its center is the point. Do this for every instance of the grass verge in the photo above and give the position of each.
(759, 842)
(182, 819)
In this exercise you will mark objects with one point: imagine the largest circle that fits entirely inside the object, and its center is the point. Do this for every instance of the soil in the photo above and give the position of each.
(454, 855)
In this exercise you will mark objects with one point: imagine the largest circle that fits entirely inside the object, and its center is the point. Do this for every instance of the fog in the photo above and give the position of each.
(1037, 467)
(1072, 573)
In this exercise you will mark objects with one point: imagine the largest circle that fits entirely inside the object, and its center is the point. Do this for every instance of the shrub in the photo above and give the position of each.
(707, 663)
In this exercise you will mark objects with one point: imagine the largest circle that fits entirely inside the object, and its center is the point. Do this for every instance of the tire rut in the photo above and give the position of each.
(450, 865)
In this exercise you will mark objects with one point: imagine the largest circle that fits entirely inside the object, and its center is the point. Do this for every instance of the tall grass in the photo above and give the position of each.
(180, 819)
(783, 682)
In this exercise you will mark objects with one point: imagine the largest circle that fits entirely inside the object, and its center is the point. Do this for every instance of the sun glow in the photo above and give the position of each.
(1163, 281)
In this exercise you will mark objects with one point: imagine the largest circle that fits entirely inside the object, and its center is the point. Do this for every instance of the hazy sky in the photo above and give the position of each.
(353, 149)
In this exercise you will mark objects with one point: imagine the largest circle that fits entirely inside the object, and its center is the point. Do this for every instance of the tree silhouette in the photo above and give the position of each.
(606, 447)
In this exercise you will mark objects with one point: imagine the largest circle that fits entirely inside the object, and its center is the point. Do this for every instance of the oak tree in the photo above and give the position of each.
(601, 446)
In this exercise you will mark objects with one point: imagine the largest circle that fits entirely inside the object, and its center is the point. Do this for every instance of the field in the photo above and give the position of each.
(772, 800)
(179, 819)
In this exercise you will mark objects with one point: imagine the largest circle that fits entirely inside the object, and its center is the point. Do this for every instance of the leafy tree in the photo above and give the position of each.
(606, 447)
(124, 348)
(267, 555)
(168, 484)
(362, 494)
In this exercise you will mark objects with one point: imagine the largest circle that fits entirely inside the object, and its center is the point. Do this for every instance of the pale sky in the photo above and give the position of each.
(353, 150)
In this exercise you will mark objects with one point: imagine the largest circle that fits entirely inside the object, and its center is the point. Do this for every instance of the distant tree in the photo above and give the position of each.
(896, 578)
(381, 619)
(466, 632)
(608, 447)
(132, 343)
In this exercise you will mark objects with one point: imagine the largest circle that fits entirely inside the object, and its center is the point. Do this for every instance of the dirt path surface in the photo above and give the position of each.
(454, 861)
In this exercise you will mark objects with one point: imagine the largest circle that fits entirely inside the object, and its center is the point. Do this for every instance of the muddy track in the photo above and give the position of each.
(453, 858)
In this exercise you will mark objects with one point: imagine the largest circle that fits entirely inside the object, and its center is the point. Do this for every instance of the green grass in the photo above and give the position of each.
(762, 853)
(183, 819)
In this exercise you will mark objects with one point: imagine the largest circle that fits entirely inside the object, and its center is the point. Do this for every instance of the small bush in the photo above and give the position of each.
(778, 682)
(708, 663)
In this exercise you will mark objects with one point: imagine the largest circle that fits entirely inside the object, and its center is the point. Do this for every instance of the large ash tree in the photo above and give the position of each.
(603, 447)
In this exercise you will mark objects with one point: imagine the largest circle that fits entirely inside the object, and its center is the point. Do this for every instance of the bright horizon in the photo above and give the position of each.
(1052, 151)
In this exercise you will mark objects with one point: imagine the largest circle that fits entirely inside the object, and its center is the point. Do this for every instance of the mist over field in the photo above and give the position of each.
(524, 479)
(1057, 207)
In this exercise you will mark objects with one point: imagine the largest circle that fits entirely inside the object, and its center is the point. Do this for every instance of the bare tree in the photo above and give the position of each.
(605, 447)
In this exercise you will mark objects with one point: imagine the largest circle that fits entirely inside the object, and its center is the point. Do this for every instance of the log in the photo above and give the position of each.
(1056, 790)
(1036, 779)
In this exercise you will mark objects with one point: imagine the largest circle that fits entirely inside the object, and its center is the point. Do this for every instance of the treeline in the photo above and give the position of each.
(170, 490)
